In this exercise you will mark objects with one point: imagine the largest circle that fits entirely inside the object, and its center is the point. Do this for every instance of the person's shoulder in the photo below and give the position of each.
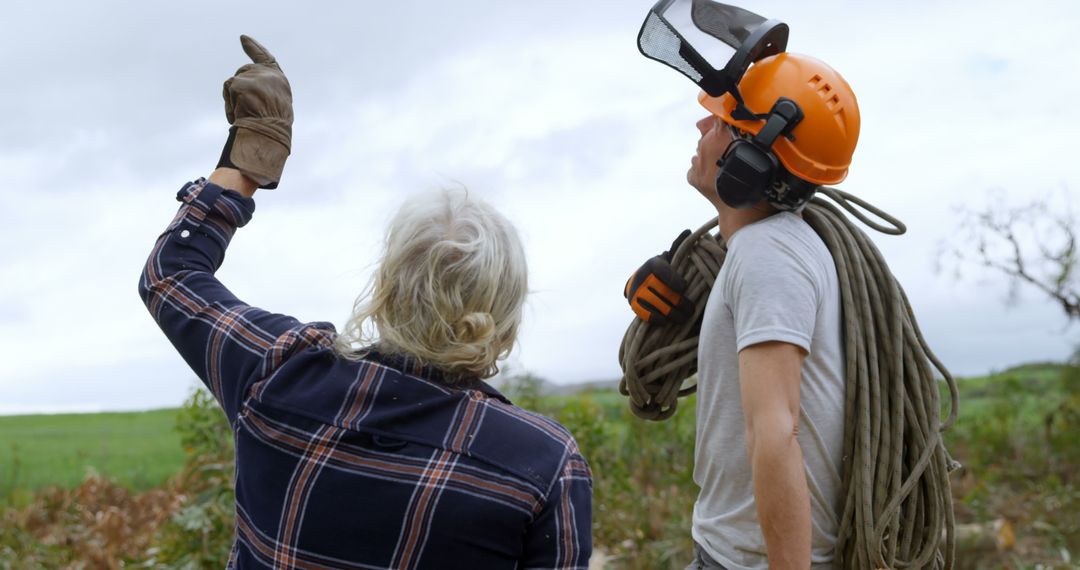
(524, 442)
(783, 235)
(778, 250)
(534, 424)
(768, 237)
(775, 227)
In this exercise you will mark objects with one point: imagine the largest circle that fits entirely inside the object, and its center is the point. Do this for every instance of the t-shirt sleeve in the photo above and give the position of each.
(773, 295)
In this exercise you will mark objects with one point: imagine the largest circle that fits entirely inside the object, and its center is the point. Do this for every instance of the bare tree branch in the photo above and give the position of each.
(1034, 244)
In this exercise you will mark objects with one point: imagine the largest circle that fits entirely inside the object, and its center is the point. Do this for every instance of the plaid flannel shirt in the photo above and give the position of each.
(359, 464)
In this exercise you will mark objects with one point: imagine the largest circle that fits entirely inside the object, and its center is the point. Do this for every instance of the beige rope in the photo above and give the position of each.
(897, 510)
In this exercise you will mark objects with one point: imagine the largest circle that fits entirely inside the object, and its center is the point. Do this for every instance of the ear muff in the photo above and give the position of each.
(749, 167)
(745, 171)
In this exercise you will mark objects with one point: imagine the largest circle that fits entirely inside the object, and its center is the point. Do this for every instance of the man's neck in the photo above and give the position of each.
(732, 220)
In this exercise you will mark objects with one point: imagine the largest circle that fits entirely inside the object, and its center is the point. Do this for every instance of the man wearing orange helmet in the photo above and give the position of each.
(770, 408)
(770, 361)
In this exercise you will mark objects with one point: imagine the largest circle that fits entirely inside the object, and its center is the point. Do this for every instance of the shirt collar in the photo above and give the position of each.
(413, 366)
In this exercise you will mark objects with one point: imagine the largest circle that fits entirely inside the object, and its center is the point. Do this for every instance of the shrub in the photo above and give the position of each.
(643, 489)
(200, 534)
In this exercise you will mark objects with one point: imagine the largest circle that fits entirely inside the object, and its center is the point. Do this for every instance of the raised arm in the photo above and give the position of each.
(228, 343)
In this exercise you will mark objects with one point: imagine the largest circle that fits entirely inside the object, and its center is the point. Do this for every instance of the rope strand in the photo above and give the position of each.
(897, 503)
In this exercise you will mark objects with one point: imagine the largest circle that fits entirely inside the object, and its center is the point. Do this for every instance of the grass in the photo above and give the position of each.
(138, 450)
(1030, 386)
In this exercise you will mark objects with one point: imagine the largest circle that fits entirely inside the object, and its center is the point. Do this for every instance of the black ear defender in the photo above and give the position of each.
(749, 167)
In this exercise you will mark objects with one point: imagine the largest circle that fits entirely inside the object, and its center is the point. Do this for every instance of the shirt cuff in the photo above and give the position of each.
(770, 334)
(202, 198)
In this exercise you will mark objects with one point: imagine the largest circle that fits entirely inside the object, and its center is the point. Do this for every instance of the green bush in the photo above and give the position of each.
(1017, 440)
(643, 489)
(200, 534)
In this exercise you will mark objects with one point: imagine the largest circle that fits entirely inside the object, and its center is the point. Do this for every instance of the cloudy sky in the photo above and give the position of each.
(546, 109)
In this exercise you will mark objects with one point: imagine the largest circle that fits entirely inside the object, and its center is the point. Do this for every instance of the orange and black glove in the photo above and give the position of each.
(656, 292)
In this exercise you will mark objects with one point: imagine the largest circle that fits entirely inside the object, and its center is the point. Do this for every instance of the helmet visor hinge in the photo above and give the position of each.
(781, 120)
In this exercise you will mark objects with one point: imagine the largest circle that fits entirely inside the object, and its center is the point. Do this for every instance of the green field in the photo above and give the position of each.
(137, 449)
(140, 450)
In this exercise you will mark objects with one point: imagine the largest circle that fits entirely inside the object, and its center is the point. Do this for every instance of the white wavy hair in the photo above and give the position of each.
(448, 290)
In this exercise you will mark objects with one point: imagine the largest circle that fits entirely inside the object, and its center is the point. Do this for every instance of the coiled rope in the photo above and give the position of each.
(897, 508)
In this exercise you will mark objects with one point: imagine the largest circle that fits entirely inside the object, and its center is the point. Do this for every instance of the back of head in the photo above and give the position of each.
(448, 291)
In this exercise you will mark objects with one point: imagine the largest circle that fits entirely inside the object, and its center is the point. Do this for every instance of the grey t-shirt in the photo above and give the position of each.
(778, 283)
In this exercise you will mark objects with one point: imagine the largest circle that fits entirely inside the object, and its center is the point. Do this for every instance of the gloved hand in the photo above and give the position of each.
(655, 290)
(258, 105)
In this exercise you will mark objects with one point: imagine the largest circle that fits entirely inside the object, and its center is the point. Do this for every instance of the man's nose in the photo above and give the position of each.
(705, 124)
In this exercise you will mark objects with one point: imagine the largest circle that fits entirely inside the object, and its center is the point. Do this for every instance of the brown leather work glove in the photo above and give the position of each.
(258, 105)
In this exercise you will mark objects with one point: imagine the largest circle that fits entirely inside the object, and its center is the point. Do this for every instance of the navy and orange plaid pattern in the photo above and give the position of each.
(359, 464)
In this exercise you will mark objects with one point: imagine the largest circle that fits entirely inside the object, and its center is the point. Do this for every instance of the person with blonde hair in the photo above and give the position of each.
(382, 446)
(449, 289)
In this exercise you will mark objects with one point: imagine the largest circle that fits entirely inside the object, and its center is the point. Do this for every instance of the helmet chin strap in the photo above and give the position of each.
(741, 112)
(780, 120)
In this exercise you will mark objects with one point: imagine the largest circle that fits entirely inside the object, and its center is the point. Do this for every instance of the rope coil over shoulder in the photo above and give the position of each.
(897, 507)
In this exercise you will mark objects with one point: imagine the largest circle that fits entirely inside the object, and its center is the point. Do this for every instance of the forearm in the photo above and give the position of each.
(199, 234)
(781, 495)
(177, 282)
(233, 179)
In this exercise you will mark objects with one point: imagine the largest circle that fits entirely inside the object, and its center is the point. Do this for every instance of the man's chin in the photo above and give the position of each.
(690, 173)
(704, 189)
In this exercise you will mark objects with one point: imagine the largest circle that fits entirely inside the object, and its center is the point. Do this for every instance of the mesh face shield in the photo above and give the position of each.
(711, 43)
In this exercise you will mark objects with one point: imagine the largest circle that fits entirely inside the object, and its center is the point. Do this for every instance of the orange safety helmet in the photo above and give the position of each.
(822, 143)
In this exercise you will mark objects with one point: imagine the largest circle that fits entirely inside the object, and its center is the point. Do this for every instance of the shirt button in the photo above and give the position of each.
(185, 234)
